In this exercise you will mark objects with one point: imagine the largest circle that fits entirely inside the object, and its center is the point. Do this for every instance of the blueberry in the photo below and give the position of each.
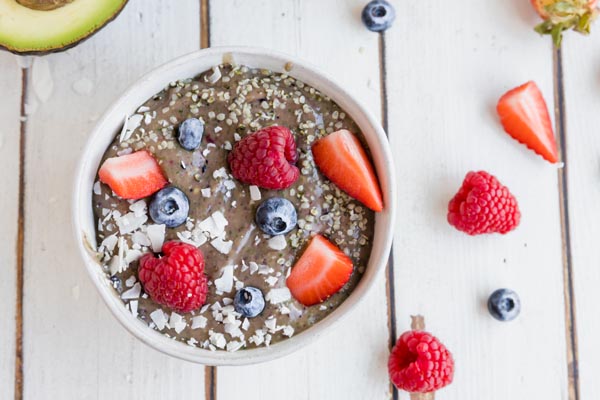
(170, 206)
(276, 216)
(378, 15)
(249, 302)
(504, 305)
(190, 133)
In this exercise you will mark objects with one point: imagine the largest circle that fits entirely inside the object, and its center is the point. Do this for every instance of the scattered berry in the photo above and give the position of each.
(342, 159)
(265, 158)
(132, 176)
(170, 206)
(561, 15)
(378, 15)
(276, 216)
(249, 301)
(420, 363)
(177, 279)
(524, 116)
(321, 271)
(504, 305)
(190, 133)
(483, 205)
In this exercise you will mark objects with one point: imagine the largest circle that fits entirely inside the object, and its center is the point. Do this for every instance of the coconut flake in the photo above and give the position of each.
(199, 322)
(139, 208)
(245, 324)
(279, 295)
(220, 173)
(255, 194)
(220, 220)
(295, 312)
(288, 331)
(109, 243)
(215, 76)
(130, 222)
(131, 256)
(277, 242)
(130, 281)
(253, 267)
(222, 246)
(271, 324)
(129, 125)
(97, 188)
(271, 280)
(159, 318)
(232, 328)
(156, 235)
(217, 339)
(234, 345)
(132, 293)
(229, 184)
(177, 322)
(214, 225)
(140, 238)
(133, 306)
(225, 282)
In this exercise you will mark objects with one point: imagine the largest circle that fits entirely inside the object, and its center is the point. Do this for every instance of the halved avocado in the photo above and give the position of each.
(43, 26)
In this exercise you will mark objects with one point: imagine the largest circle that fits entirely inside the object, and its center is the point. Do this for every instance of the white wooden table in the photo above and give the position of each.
(434, 78)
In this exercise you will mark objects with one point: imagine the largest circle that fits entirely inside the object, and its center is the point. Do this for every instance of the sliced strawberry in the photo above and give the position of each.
(342, 159)
(320, 272)
(524, 116)
(133, 176)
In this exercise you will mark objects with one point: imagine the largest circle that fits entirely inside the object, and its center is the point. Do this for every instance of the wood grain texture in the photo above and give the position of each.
(10, 87)
(581, 68)
(73, 347)
(447, 67)
(350, 361)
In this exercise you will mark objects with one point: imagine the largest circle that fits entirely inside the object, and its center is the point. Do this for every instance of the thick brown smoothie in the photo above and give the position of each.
(232, 101)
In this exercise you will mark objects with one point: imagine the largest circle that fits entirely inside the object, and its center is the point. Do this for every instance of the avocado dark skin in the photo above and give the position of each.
(43, 5)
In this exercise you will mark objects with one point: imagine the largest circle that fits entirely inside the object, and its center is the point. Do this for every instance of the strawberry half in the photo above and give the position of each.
(133, 176)
(341, 158)
(561, 15)
(321, 271)
(524, 116)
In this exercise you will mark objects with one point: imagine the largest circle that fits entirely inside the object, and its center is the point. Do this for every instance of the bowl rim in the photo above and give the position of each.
(376, 138)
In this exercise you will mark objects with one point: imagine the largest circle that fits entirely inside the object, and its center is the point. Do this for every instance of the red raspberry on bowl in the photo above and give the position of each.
(265, 158)
(483, 205)
(420, 363)
(177, 279)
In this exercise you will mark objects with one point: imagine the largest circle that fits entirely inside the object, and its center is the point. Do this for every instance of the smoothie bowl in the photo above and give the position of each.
(233, 204)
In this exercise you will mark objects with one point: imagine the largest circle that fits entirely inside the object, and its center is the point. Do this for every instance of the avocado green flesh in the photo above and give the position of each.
(24, 30)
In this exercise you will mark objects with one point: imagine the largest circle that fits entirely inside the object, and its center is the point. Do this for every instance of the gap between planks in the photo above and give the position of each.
(20, 248)
(570, 319)
(210, 373)
(389, 283)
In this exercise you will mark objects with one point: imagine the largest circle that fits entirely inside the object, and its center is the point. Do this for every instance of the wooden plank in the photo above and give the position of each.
(580, 56)
(350, 361)
(447, 66)
(10, 104)
(72, 344)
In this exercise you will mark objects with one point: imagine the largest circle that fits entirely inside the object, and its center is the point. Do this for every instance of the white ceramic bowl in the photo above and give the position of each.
(188, 66)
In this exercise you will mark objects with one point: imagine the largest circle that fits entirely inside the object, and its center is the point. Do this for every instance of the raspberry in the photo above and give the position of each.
(265, 158)
(420, 363)
(483, 205)
(177, 279)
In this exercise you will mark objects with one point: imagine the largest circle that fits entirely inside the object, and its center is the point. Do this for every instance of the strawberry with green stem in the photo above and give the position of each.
(561, 15)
